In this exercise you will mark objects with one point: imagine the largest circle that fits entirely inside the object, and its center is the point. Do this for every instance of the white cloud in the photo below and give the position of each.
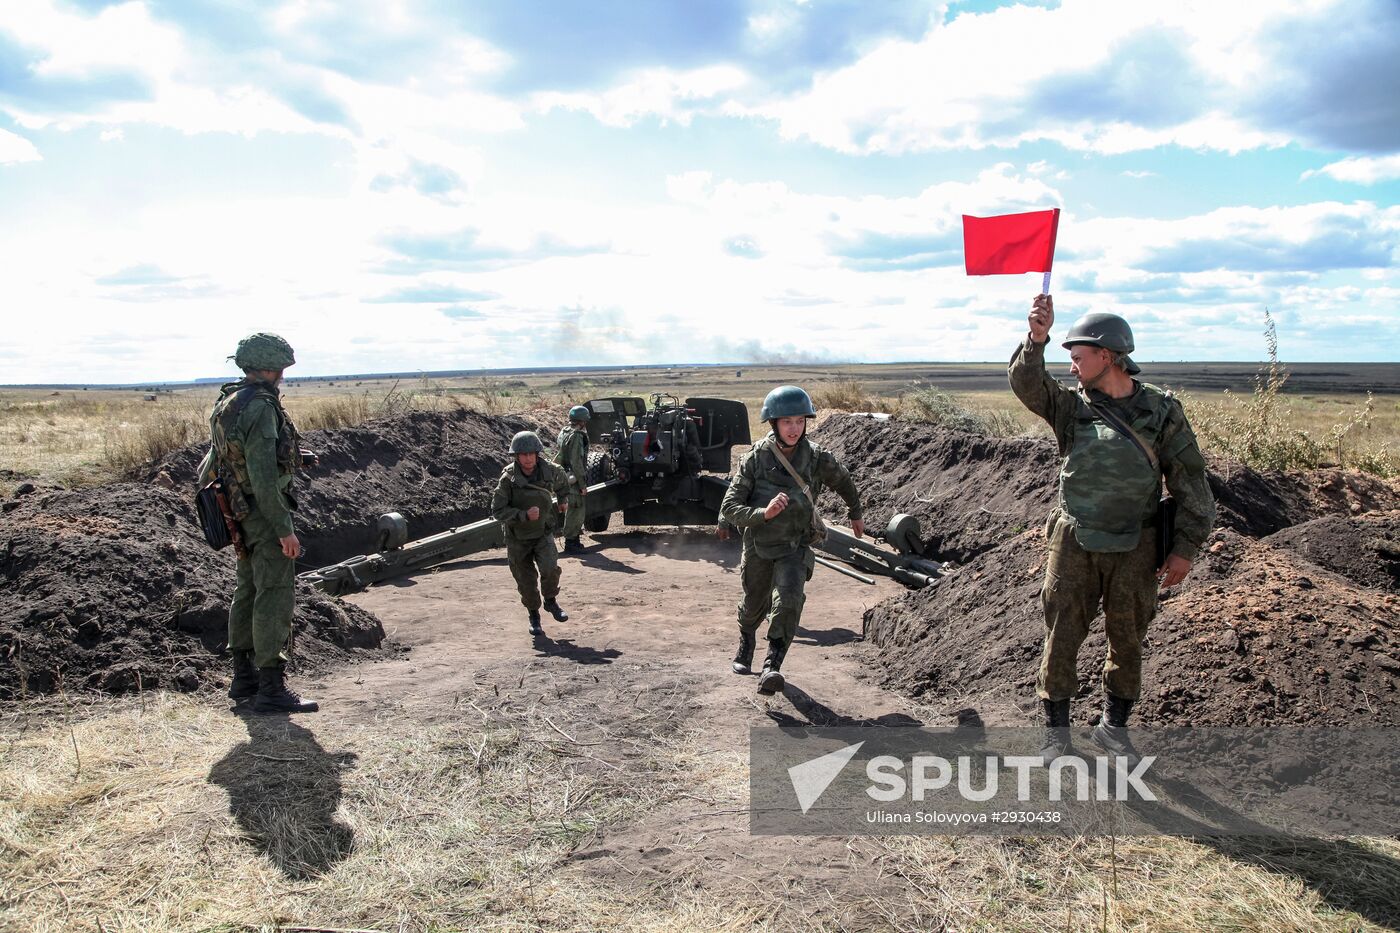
(1361, 170)
(15, 148)
(657, 92)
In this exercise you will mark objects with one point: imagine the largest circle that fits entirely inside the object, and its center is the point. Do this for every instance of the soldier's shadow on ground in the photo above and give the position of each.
(1345, 874)
(816, 713)
(826, 638)
(283, 789)
(594, 560)
(579, 654)
(676, 545)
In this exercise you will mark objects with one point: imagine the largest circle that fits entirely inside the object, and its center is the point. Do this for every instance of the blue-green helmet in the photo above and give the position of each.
(579, 413)
(526, 442)
(787, 402)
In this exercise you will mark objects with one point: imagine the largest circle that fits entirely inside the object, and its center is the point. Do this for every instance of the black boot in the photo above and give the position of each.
(771, 680)
(573, 546)
(552, 607)
(743, 658)
(274, 697)
(244, 685)
(1111, 734)
(1056, 730)
(535, 627)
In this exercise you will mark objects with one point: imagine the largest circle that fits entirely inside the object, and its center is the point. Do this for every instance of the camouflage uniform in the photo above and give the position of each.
(1100, 535)
(254, 450)
(777, 562)
(573, 459)
(534, 560)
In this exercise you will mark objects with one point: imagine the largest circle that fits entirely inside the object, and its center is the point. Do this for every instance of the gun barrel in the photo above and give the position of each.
(846, 570)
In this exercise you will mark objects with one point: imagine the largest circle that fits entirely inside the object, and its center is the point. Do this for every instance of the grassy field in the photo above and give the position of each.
(75, 436)
(462, 821)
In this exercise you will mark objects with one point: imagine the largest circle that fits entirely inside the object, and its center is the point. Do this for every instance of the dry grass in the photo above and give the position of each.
(176, 815)
(168, 813)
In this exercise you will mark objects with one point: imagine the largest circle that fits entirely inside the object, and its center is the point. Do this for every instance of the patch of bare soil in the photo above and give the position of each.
(113, 588)
(1288, 617)
(437, 469)
(643, 658)
(972, 492)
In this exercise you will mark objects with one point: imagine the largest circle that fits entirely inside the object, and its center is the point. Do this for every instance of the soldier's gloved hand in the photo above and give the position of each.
(533, 513)
(291, 546)
(1173, 571)
(858, 528)
(1041, 318)
(563, 507)
(775, 508)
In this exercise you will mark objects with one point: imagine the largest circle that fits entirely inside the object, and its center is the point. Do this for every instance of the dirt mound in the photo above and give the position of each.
(1256, 636)
(437, 469)
(972, 492)
(1364, 549)
(113, 588)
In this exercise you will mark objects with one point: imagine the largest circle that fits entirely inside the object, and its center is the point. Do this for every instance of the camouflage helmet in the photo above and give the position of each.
(1109, 331)
(263, 351)
(580, 413)
(787, 402)
(526, 442)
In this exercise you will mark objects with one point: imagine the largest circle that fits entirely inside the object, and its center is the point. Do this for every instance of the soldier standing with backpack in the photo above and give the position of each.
(254, 452)
(772, 499)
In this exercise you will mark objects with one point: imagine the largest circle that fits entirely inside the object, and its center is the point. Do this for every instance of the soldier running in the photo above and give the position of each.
(775, 513)
(1120, 438)
(254, 452)
(573, 459)
(525, 505)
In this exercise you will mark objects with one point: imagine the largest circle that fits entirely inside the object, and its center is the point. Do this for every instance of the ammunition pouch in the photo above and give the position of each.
(216, 518)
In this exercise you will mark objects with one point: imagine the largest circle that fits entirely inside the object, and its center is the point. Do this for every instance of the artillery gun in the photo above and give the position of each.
(666, 464)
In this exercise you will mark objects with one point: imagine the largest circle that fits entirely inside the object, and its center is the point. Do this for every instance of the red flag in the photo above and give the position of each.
(1010, 243)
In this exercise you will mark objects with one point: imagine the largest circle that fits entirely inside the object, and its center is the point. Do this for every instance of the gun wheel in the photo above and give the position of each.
(600, 470)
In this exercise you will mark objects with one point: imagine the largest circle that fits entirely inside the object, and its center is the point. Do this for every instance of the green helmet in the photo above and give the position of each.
(1101, 329)
(526, 442)
(263, 351)
(579, 413)
(786, 402)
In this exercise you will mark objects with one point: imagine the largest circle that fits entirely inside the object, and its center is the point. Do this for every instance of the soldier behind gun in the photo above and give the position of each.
(254, 452)
(524, 504)
(1100, 537)
(573, 459)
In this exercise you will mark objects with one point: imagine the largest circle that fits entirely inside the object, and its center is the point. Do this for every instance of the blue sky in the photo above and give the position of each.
(433, 184)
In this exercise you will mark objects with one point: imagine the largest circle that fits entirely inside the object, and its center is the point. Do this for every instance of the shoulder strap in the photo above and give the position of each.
(1126, 429)
(793, 473)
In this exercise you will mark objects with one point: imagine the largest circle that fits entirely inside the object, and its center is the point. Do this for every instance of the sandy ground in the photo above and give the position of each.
(651, 623)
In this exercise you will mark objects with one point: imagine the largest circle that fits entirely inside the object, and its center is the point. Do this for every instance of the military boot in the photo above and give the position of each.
(274, 697)
(1111, 734)
(573, 546)
(535, 627)
(1056, 730)
(743, 658)
(552, 607)
(244, 685)
(771, 680)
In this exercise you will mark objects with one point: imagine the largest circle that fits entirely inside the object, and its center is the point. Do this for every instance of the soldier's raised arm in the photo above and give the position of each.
(1035, 387)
